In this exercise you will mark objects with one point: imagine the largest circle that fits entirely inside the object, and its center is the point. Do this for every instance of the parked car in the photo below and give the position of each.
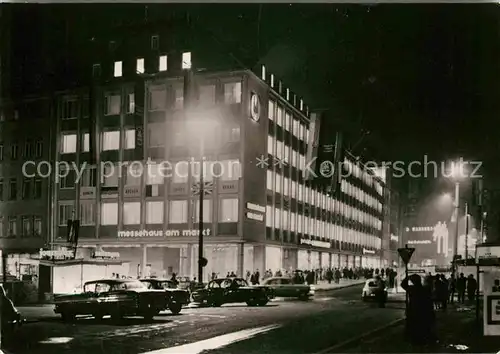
(370, 290)
(115, 297)
(176, 297)
(231, 290)
(11, 318)
(285, 287)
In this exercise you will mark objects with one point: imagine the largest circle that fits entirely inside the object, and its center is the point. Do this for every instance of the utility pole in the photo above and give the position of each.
(455, 246)
(466, 232)
(188, 105)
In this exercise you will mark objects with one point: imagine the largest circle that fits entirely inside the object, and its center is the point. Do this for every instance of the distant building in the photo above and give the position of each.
(24, 198)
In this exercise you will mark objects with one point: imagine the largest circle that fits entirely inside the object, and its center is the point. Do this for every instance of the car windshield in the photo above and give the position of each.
(167, 285)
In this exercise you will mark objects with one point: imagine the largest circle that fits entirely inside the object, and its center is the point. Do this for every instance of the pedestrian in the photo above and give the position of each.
(461, 285)
(471, 288)
(420, 316)
(452, 288)
(329, 275)
(380, 292)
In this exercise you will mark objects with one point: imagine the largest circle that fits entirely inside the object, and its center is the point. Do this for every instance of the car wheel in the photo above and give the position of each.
(263, 302)
(148, 316)
(216, 303)
(67, 317)
(175, 308)
(303, 297)
(251, 303)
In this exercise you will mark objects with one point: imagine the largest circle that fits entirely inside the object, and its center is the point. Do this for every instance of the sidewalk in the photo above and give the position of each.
(457, 331)
(323, 285)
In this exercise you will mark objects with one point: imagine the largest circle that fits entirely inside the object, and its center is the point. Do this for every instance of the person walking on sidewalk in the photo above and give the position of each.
(461, 283)
(452, 288)
(471, 288)
(420, 317)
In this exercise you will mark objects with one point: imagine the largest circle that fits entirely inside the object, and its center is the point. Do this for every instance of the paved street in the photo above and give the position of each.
(287, 326)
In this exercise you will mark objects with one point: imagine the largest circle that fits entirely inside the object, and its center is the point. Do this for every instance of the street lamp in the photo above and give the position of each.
(457, 173)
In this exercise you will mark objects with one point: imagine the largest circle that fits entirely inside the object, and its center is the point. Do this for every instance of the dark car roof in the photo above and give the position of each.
(220, 280)
(111, 281)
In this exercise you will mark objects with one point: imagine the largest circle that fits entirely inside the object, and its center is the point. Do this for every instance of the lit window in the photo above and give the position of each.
(285, 186)
(277, 218)
(86, 142)
(87, 216)
(37, 226)
(269, 216)
(292, 221)
(231, 170)
(132, 213)
(270, 145)
(285, 224)
(271, 113)
(89, 177)
(178, 212)
(68, 144)
(113, 103)
(287, 124)
(279, 117)
(133, 175)
(110, 140)
(109, 214)
(26, 226)
(154, 212)
(232, 92)
(269, 180)
(299, 224)
(158, 99)
(186, 60)
(277, 185)
(130, 139)
(180, 172)
(163, 63)
(156, 172)
(207, 95)
(65, 213)
(131, 103)
(118, 69)
(139, 66)
(207, 211)
(229, 210)
(110, 175)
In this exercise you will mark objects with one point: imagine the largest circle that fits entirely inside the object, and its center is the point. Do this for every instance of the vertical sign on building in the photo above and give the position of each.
(139, 105)
(312, 146)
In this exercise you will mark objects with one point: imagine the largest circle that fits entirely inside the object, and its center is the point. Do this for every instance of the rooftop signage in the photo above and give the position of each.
(256, 207)
(419, 242)
(367, 251)
(161, 233)
(56, 254)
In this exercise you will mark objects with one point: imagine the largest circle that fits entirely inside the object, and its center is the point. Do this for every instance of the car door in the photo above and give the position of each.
(275, 286)
(238, 294)
(98, 303)
(288, 289)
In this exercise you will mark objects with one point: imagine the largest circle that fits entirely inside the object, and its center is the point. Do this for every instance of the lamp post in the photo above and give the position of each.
(455, 244)
(466, 232)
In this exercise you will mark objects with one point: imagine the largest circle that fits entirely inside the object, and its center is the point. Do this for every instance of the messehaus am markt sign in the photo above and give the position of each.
(162, 233)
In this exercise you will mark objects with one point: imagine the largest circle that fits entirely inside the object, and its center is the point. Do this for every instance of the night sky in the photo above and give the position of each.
(421, 78)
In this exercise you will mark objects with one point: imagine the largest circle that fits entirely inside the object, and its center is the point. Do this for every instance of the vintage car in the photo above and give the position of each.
(11, 318)
(370, 289)
(175, 297)
(231, 290)
(285, 287)
(115, 297)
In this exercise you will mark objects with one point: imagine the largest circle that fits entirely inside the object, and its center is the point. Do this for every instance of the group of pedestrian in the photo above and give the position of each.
(427, 295)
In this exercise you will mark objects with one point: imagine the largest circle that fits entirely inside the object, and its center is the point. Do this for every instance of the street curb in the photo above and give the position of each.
(337, 288)
(361, 337)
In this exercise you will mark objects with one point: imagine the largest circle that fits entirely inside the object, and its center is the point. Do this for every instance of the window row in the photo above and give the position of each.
(110, 141)
(32, 149)
(285, 153)
(289, 221)
(31, 226)
(131, 212)
(359, 173)
(283, 185)
(287, 121)
(30, 189)
(360, 195)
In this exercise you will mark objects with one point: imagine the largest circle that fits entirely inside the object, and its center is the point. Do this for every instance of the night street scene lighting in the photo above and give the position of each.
(227, 178)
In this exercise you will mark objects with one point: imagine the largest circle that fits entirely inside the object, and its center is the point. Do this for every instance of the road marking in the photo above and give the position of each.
(215, 342)
(212, 316)
(325, 298)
